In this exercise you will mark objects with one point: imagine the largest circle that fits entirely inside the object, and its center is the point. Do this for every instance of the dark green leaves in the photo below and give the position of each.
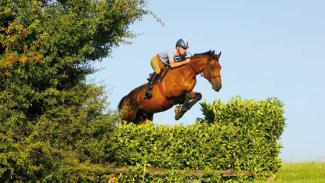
(53, 125)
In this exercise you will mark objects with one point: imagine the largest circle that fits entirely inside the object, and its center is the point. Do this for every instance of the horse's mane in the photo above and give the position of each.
(210, 52)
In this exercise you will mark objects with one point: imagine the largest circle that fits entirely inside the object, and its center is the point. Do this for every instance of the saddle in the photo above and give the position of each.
(161, 76)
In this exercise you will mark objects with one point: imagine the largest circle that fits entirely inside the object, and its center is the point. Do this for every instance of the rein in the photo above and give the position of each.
(195, 69)
(196, 72)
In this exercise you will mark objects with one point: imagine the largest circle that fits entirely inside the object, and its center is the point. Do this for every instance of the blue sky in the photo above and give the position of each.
(270, 49)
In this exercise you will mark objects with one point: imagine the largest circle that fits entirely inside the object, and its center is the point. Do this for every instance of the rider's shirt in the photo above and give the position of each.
(167, 55)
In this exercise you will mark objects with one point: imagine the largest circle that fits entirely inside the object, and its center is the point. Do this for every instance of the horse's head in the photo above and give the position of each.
(212, 70)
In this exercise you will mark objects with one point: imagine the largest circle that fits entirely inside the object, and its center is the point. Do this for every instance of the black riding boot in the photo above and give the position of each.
(151, 82)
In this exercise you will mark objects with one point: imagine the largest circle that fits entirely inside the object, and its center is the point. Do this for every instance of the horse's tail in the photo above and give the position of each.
(121, 102)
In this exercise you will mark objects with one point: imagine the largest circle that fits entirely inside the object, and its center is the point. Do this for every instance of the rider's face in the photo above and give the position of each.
(181, 50)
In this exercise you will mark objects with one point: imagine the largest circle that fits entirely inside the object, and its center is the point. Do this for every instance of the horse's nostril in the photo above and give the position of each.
(217, 87)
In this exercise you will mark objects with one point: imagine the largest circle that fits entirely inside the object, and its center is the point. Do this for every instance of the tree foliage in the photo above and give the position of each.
(53, 125)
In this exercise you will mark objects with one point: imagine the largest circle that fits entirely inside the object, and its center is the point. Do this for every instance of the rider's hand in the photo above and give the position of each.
(187, 60)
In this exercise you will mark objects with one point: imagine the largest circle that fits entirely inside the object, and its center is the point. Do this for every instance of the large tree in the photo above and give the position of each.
(53, 125)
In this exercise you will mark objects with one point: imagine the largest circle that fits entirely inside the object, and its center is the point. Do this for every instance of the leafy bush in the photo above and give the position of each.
(54, 127)
(66, 142)
(240, 135)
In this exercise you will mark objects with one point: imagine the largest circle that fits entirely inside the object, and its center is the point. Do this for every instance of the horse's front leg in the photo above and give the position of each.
(189, 100)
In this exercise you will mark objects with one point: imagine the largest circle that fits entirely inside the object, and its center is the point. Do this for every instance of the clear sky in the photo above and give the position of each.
(269, 49)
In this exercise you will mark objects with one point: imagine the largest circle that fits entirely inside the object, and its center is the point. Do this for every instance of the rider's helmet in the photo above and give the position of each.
(182, 43)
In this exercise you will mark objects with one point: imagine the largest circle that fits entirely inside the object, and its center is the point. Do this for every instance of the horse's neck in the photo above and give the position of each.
(197, 64)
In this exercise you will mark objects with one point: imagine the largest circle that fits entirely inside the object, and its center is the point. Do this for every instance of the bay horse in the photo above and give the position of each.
(174, 88)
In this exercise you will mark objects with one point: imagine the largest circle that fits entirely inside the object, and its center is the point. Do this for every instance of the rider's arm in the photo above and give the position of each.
(174, 64)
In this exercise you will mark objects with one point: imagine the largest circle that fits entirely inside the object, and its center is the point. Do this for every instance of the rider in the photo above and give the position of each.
(173, 58)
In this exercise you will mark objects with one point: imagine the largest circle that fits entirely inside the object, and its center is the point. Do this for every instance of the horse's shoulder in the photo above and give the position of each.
(176, 72)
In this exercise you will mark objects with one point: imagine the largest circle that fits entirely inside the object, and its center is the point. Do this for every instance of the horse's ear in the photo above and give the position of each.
(219, 55)
(212, 52)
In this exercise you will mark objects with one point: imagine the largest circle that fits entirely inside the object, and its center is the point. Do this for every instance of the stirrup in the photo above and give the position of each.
(148, 93)
(150, 76)
(154, 78)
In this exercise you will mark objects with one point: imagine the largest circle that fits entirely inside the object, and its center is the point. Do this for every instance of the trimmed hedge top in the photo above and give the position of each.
(239, 135)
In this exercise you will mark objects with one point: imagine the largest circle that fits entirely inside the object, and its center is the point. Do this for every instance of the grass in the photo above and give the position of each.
(311, 172)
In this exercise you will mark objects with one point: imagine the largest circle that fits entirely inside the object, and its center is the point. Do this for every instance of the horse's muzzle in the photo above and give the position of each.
(216, 85)
(218, 88)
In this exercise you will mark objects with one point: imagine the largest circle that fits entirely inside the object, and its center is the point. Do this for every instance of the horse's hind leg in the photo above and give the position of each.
(143, 117)
(129, 116)
(148, 120)
(190, 99)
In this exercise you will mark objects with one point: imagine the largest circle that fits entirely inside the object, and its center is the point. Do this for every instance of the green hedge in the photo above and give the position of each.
(239, 135)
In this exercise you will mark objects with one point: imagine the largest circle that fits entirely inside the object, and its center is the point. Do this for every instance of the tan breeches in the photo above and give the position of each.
(157, 64)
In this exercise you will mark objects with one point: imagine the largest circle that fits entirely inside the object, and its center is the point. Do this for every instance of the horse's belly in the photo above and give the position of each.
(157, 104)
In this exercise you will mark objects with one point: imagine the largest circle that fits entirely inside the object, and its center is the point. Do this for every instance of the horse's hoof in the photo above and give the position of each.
(178, 116)
(179, 112)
